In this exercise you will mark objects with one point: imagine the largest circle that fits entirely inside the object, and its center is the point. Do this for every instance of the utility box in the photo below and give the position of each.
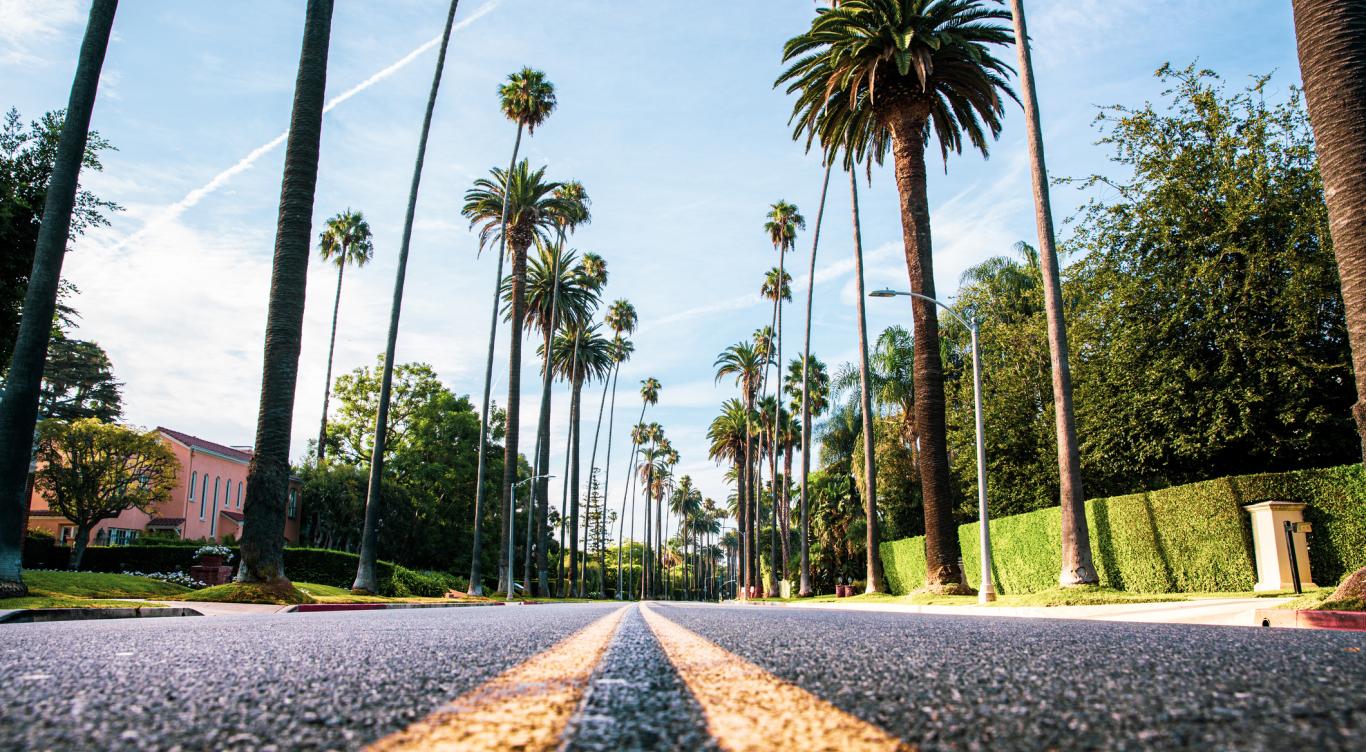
(785, 589)
(1271, 547)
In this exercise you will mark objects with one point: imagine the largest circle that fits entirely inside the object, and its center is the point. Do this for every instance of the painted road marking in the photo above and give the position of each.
(526, 707)
(747, 708)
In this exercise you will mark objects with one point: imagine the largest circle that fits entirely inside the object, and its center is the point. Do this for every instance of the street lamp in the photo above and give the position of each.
(512, 532)
(987, 591)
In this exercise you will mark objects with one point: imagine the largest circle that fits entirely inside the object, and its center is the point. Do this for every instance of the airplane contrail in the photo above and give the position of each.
(217, 181)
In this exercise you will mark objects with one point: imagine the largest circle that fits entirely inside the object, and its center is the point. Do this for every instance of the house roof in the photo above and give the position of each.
(166, 522)
(194, 442)
(234, 516)
(45, 513)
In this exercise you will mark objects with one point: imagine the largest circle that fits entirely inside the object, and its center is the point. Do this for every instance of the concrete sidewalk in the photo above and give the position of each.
(1239, 612)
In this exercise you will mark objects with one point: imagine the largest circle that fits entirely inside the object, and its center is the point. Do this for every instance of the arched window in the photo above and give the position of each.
(239, 494)
(194, 478)
(203, 495)
(213, 520)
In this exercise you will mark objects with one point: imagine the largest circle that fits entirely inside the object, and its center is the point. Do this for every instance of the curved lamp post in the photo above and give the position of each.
(512, 533)
(987, 591)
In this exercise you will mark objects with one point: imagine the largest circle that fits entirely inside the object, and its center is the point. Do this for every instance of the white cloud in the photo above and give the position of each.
(28, 26)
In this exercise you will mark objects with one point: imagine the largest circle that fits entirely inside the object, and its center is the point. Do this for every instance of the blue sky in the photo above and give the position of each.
(666, 115)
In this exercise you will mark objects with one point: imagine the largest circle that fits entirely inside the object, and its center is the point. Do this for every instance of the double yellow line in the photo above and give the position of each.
(529, 706)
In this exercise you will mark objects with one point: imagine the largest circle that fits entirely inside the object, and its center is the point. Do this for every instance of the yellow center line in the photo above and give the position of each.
(526, 707)
(747, 708)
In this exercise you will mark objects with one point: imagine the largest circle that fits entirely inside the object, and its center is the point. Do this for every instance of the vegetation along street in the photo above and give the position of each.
(832, 375)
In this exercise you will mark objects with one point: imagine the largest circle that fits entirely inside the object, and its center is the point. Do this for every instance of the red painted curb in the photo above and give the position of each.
(1352, 621)
(306, 607)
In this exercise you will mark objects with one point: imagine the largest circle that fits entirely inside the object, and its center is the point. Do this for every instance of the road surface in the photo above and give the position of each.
(661, 676)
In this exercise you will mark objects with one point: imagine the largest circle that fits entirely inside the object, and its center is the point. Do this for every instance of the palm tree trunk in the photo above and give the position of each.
(542, 486)
(331, 350)
(592, 463)
(621, 525)
(268, 475)
(480, 493)
(1077, 568)
(575, 400)
(1331, 35)
(943, 573)
(1332, 51)
(873, 568)
(365, 570)
(779, 568)
(564, 512)
(741, 490)
(787, 506)
(480, 484)
(804, 586)
(19, 404)
(518, 292)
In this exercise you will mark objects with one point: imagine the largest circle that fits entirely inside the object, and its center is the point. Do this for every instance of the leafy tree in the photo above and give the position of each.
(27, 158)
(1209, 316)
(19, 402)
(874, 75)
(345, 241)
(90, 471)
(78, 382)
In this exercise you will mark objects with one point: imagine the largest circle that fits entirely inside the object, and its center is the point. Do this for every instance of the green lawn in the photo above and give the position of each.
(242, 592)
(1078, 596)
(73, 589)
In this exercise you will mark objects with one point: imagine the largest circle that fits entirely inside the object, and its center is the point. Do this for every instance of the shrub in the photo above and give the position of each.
(37, 533)
(1191, 538)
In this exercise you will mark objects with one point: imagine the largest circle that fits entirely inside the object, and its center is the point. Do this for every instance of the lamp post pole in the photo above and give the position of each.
(512, 532)
(986, 591)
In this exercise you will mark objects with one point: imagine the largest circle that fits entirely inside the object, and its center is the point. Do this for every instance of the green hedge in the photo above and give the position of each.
(1192, 538)
(319, 565)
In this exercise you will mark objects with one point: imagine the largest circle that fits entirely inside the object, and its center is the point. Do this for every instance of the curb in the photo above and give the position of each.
(1348, 621)
(306, 608)
(35, 615)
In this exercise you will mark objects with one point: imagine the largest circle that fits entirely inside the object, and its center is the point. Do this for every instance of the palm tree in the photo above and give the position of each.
(621, 319)
(1077, 568)
(782, 225)
(527, 99)
(346, 240)
(1331, 35)
(19, 404)
(804, 584)
(746, 364)
(532, 212)
(873, 567)
(875, 75)
(789, 436)
(365, 570)
(649, 395)
(579, 353)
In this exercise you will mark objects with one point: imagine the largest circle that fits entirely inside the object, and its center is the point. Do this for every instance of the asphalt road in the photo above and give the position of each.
(325, 681)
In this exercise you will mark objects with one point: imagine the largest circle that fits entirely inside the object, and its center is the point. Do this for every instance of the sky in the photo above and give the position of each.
(667, 114)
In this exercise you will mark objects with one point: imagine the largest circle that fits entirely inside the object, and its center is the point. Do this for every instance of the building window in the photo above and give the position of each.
(122, 536)
(193, 478)
(203, 495)
(66, 534)
(213, 520)
(239, 494)
(293, 509)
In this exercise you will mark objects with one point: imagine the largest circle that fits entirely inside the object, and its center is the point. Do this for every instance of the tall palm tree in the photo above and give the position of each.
(621, 319)
(649, 395)
(804, 583)
(789, 437)
(1331, 36)
(782, 224)
(1077, 568)
(746, 364)
(517, 208)
(580, 354)
(345, 241)
(19, 404)
(526, 99)
(874, 75)
(873, 564)
(365, 570)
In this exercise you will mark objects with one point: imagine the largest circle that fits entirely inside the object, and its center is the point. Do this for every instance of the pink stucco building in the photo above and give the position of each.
(206, 503)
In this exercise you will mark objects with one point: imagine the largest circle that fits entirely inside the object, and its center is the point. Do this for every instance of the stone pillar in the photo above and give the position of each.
(1268, 542)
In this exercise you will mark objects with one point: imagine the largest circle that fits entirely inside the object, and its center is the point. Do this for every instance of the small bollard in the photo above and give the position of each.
(1294, 560)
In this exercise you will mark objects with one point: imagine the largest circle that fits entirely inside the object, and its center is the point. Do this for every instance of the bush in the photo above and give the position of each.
(39, 534)
(1191, 538)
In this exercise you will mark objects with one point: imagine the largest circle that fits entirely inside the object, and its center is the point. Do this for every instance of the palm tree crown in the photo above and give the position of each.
(770, 286)
(866, 61)
(346, 240)
(783, 223)
(527, 98)
(745, 363)
(533, 208)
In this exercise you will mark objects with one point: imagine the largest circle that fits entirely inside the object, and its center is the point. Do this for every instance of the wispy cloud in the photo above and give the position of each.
(172, 212)
(26, 25)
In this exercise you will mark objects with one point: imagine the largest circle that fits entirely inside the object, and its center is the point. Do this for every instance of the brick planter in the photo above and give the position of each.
(215, 575)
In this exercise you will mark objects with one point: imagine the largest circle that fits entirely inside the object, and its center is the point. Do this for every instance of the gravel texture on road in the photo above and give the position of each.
(292, 681)
(945, 682)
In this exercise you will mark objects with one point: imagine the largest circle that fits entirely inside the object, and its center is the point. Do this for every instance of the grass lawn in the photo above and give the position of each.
(74, 589)
(241, 592)
(330, 594)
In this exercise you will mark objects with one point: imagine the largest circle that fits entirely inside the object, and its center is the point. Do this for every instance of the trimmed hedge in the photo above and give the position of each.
(1192, 538)
(320, 565)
